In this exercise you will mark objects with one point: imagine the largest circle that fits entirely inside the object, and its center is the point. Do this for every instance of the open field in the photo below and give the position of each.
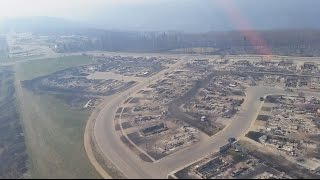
(4, 58)
(43, 67)
(3, 49)
(54, 131)
(22, 47)
(13, 154)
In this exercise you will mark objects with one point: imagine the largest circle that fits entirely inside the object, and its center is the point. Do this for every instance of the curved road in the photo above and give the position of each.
(132, 166)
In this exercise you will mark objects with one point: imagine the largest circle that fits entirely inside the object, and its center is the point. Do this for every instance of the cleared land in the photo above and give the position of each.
(54, 131)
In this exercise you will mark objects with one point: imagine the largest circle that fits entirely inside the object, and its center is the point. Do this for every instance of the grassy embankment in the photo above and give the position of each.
(12, 147)
(3, 49)
(54, 132)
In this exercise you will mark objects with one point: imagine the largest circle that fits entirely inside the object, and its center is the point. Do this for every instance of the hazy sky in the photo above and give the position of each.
(60, 8)
(181, 15)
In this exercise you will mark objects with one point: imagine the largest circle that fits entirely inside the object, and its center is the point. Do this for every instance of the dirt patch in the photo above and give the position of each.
(266, 109)
(260, 123)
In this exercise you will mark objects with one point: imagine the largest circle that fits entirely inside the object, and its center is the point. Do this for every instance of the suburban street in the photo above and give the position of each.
(132, 166)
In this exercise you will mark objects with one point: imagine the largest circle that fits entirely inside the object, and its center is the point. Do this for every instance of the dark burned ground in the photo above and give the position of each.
(134, 149)
(175, 112)
(119, 110)
(254, 135)
(13, 154)
(266, 109)
(36, 85)
(136, 138)
(126, 125)
(140, 141)
(263, 117)
(156, 155)
(76, 98)
(238, 93)
(126, 110)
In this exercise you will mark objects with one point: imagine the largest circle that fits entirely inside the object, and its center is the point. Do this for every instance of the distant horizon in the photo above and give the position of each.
(85, 25)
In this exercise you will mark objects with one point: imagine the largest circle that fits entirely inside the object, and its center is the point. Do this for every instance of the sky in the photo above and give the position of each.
(60, 8)
(180, 15)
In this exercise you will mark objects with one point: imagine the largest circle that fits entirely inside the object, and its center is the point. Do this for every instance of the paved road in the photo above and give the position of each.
(238, 127)
(132, 166)
(109, 141)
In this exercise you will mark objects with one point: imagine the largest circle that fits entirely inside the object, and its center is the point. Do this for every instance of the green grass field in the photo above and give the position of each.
(42, 67)
(54, 132)
(5, 59)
